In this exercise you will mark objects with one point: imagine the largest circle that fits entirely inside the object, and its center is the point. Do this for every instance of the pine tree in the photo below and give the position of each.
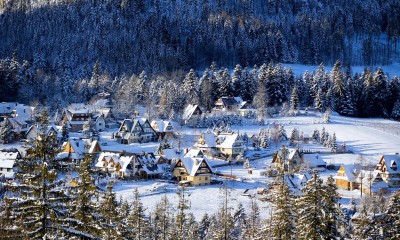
(253, 221)
(41, 202)
(240, 221)
(94, 84)
(162, 219)
(294, 100)
(260, 100)
(311, 206)
(82, 220)
(392, 218)
(396, 110)
(333, 143)
(327, 116)
(203, 226)
(282, 224)
(333, 217)
(109, 220)
(338, 88)
(137, 220)
(190, 87)
(64, 132)
(6, 132)
(315, 136)
(8, 220)
(207, 91)
(294, 137)
(181, 216)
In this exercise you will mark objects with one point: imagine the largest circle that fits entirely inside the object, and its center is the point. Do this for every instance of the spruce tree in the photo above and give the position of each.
(162, 219)
(282, 224)
(137, 220)
(109, 217)
(396, 110)
(333, 217)
(392, 218)
(181, 216)
(311, 209)
(64, 132)
(6, 133)
(294, 101)
(83, 212)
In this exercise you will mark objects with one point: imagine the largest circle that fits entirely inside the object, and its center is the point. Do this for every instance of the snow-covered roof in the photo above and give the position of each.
(7, 107)
(314, 160)
(229, 141)
(7, 163)
(152, 169)
(297, 180)
(210, 140)
(351, 171)
(9, 155)
(172, 154)
(292, 153)
(392, 163)
(192, 164)
(194, 153)
(105, 158)
(188, 112)
(162, 126)
(23, 113)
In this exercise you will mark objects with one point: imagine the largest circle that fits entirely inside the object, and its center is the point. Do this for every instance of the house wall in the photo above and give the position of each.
(100, 124)
(68, 148)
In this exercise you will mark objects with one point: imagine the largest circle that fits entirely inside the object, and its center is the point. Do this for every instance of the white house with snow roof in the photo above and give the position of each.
(34, 132)
(8, 159)
(191, 115)
(214, 143)
(165, 128)
(389, 168)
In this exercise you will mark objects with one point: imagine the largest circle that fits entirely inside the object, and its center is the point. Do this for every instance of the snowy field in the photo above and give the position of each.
(370, 137)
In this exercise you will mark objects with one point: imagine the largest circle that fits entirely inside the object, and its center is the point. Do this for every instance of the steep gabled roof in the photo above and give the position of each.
(192, 165)
(189, 110)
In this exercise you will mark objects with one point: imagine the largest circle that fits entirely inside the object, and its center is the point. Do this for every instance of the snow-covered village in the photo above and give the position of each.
(200, 120)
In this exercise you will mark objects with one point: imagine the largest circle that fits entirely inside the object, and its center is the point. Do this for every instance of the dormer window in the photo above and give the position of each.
(393, 165)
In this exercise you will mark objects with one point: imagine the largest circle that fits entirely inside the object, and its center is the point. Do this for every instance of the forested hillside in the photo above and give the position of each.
(56, 52)
(68, 36)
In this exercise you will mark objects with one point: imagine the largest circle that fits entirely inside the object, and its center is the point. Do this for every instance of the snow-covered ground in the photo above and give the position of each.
(370, 137)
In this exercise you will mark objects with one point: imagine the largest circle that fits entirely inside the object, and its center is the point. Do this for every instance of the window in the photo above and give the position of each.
(206, 178)
(199, 178)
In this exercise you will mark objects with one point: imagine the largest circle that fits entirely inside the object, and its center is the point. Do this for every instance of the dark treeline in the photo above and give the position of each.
(67, 37)
(271, 88)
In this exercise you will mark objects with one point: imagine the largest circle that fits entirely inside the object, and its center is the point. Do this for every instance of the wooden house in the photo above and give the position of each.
(193, 171)
(75, 150)
(389, 169)
(289, 160)
(346, 177)
(135, 131)
(34, 132)
(247, 109)
(76, 118)
(228, 104)
(165, 128)
(191, 115)
(227, 144)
